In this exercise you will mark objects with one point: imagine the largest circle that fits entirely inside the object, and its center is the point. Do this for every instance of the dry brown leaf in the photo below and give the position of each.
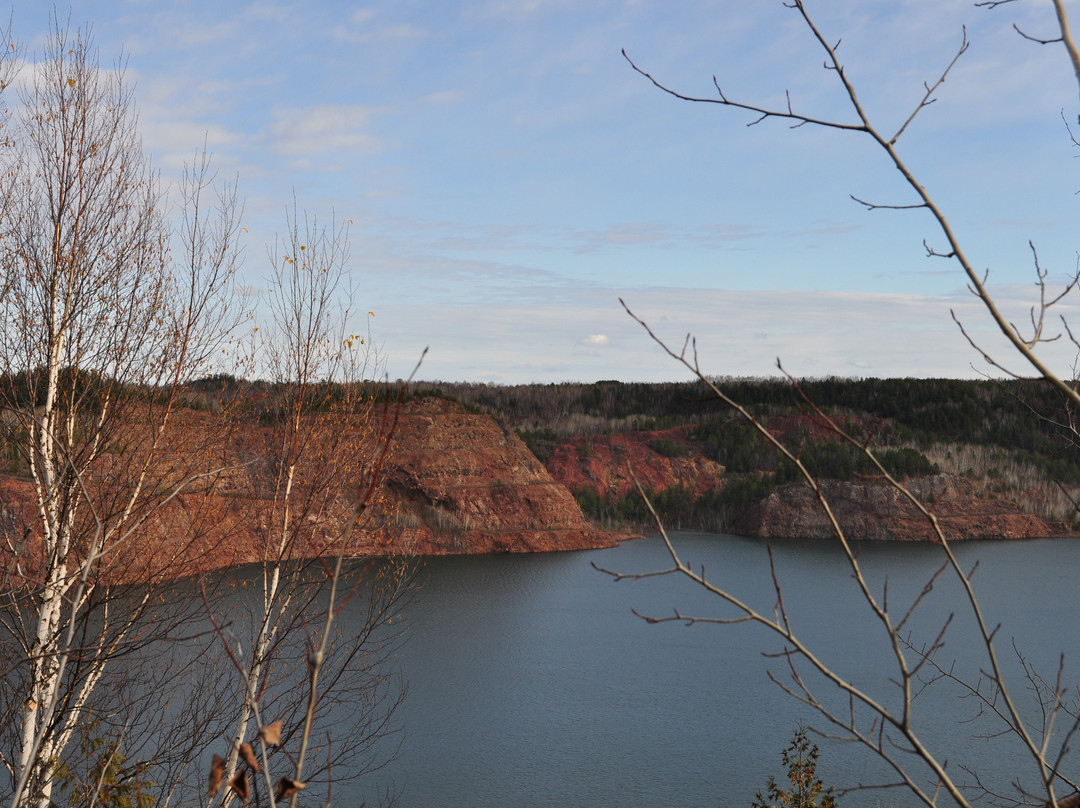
(271, 733)
(248, 755)
(286, 788)
(239, 785)
(217, 774)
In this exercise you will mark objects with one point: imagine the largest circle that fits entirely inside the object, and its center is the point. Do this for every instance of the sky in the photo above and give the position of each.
(510, 178)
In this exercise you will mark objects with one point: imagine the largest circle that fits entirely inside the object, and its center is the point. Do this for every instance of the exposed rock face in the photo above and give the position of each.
(461, 483)
(604, 463)
(877, 511)
(455, 482)
(458, 482)
(865, 509)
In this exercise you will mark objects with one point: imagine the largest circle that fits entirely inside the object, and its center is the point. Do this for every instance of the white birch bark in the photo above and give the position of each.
(92, 304)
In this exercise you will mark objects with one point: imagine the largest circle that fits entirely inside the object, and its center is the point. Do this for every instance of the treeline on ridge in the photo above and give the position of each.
(1016, 415)
(1005, 435)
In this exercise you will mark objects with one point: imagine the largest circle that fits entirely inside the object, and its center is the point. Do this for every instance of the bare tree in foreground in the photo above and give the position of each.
(324, 443)
(100, 326)
(884, 720)
(116, 679)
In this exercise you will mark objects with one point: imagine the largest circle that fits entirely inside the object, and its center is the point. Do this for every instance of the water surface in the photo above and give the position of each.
(532, 683)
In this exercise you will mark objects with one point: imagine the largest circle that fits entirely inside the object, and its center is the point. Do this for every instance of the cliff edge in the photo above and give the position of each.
(599, 466)
(876, 511)
(456, 482)
(459, 482)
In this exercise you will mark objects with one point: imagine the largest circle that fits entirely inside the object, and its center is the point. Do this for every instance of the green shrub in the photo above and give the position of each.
(746, 490)
(109, 779)
(669, 448)
(541, 442)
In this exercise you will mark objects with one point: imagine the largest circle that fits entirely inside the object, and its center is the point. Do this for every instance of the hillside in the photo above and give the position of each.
(456, 482)
(1002, 463)
(518, 469)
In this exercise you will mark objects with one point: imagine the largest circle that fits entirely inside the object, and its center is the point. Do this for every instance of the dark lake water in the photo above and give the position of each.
(531, 682)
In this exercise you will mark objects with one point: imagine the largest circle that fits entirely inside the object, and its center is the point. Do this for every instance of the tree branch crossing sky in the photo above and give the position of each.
(509, 176)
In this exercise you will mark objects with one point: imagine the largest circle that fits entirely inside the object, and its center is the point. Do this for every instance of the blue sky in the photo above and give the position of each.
(509, 176)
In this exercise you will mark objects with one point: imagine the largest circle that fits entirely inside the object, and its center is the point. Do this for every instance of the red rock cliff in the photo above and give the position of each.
(456, 482)
(866, 509)
(461, 483)
(603, 463)
(876, 511)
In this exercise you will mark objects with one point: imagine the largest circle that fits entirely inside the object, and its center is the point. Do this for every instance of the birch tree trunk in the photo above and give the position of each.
(99, 328)
(324, 450)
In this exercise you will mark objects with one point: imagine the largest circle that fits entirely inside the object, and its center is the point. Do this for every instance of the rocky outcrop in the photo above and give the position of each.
(459, 482)
(608, 464)
(877, 511)
(455, 482)
(865, 509)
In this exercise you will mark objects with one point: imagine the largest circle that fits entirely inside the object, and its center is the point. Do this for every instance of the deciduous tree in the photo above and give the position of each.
(315, 485)
(100, 326)
(883, 719)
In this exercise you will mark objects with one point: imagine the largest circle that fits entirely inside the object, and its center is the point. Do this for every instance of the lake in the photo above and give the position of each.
(532, 683)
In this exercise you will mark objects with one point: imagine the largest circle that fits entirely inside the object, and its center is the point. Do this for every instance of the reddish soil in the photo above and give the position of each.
(865, 509)
(455, 482)
(461, 483)
(458, 482)
(608, 464)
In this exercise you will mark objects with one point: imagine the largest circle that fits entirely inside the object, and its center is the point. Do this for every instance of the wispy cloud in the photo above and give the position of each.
(203, 34)
(444, 97)
(737, 333)
(510, 176)
(630, 234)
(623, 234)
(367, 25)
(825, 228)
(386, 33)
(308, 131)
(518, 9)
